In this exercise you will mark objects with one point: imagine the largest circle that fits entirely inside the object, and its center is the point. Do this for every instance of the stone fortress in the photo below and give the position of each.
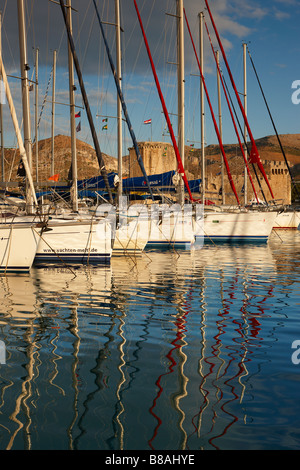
(159, 157)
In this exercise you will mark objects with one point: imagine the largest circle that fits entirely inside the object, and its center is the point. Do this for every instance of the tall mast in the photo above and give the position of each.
(201, 16)
(180, 75)
(181, 170)
(87, 105)
(124, 107)
(1, 111)
(53, 112)
(36, 114)
(220, 123)
(231, 113)
(213, 117)
(119, 103)
(74, 188)
(245, 126)
(17, 130)
(254, 155)
(25, 95)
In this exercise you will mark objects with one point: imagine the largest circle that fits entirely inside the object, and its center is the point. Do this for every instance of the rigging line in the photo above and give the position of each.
(4, 9)
(159, 56)
(273, 123)
(45, 99)
(193, 104)
(162, 53)
(245, 142)
(171, 95)
(169, 75)
(141, 45)
(29, 20)
(80, 26)
(8, 46)
(212, 115)
(87, 106)
(139, 157)
(88, 40)
(47, 38)
(230, 110)
(254, 154)
(181, 170)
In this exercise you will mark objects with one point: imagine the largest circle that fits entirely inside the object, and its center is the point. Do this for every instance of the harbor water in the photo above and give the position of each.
(170, 351)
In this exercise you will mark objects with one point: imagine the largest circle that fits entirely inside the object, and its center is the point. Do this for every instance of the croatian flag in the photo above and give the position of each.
(148, 121)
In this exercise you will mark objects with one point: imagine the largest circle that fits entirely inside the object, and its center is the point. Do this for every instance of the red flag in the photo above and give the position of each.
(254, 155)
(54, 178)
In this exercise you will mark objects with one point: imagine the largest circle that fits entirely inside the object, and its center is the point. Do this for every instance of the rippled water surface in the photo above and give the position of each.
(167, 351)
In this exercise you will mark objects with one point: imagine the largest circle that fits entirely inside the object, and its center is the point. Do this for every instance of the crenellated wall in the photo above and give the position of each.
(159, 157)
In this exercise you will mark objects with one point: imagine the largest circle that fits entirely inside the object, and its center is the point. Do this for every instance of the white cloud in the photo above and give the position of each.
(281, 15)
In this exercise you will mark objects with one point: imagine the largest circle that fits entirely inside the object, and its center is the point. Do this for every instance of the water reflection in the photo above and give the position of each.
(164, 351)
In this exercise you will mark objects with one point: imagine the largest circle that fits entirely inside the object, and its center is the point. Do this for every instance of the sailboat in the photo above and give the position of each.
(175, 228)
(288, 216)
(27, 240)
(66, 238)
(74, 237)
(78, 237)
(240, 224)
(133, 225)
(18, 242)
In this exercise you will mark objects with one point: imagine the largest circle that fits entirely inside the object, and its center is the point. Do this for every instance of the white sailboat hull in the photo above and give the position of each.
(131, 237)
(287, 220)
(237, 227)
(18, 246)
(172, 231)
(72, 241)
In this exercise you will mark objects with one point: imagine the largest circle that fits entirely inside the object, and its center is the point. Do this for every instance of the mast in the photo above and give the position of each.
(254, 155)
(220, 124)
(181, 170)
(87, 106)
(119, 103)
(25, 97)
(212, 114)
(135, 144)
(245, 127)
(36, 114)
(180, 78)
(201, 16)
(53, 112)
(273, 123)
(1, 111)
(232, 115)
(74, 188)
(17, 129)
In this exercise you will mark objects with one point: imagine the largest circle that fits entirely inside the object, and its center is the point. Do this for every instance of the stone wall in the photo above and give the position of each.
(159, 157)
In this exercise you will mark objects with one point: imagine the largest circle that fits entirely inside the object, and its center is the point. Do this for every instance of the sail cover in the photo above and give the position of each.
(163, 181)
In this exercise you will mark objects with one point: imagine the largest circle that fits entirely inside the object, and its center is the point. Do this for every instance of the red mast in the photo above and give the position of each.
(179, 161)
(231, 114)
(213, 116)
(254, 155)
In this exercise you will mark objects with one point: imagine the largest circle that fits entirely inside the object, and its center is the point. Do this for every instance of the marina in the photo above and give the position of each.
(149, 288)
(174, 352)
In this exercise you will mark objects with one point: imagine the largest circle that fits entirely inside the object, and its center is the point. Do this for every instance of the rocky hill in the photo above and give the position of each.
(268, 147)
(86, 159)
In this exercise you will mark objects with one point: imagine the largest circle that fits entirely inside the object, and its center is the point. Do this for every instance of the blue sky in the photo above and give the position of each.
(271, 29)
